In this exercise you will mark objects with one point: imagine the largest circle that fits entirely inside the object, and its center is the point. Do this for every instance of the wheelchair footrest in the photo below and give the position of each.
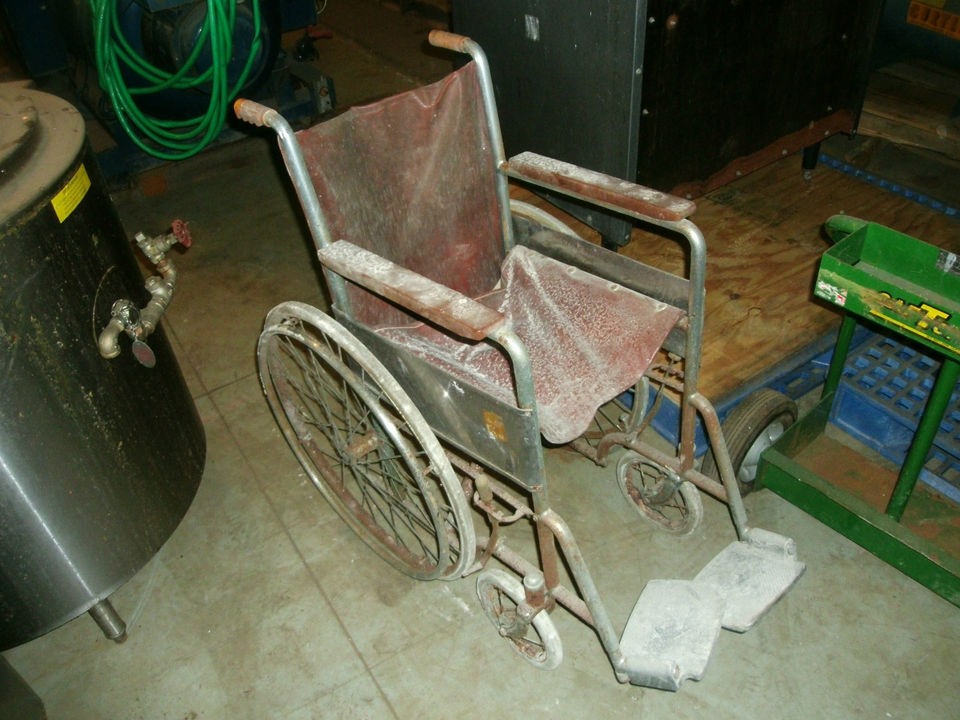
(675, 623)
(751, 575)
(671, 633)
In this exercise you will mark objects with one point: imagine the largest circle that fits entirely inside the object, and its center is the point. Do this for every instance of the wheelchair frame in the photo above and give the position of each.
(522, 460)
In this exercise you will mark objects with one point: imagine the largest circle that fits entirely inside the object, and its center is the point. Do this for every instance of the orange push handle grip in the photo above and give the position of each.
(251, 112)
(448, 40)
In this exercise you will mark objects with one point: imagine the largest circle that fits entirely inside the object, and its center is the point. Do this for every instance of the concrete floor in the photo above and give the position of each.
(263, 604)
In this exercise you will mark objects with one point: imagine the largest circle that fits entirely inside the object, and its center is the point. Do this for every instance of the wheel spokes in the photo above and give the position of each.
(386, 486)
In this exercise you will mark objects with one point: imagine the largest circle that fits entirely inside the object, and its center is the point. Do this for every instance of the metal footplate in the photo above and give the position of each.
(671, 633)
(675, 623)
(751, 575)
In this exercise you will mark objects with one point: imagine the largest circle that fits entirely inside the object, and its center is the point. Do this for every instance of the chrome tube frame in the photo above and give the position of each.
(307, 194)
(496, 137)
(554, 537)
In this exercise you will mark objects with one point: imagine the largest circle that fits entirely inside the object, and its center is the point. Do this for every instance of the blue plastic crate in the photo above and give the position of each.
(880, 400)
(795, 376)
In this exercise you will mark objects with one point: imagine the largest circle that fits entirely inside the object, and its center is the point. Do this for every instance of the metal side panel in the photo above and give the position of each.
(502, 437)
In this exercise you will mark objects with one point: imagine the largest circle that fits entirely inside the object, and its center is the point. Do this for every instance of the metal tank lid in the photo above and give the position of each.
(41, 136)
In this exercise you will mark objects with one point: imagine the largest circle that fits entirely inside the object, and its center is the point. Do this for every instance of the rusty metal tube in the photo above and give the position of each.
(260, 115)
(722, 456)
(691, 360)
(581, 576)
(523, 567)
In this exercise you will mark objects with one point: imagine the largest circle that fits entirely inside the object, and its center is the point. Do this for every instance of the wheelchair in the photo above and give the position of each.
(467, 330)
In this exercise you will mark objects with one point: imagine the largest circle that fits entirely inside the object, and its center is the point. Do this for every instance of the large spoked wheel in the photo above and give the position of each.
(541, 217)
(750, 428)
(659, 495)
(364, 444)
(538, 641)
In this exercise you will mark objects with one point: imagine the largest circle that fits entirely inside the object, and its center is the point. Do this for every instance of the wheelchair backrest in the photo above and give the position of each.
(412, 178)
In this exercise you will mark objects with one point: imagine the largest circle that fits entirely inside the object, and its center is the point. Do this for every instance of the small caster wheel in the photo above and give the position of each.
(659, 495)
(536, 641)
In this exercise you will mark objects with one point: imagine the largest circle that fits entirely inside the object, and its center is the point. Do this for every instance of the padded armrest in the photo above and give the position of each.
(635, 200)
(421, 295)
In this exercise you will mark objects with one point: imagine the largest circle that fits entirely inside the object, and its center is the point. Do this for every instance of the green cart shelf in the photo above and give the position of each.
(912, 289)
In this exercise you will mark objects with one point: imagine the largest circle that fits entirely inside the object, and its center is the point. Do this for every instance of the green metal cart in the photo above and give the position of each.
(906, 287)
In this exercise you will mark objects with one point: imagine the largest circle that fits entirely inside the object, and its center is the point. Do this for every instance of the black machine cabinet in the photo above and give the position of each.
(679, 95)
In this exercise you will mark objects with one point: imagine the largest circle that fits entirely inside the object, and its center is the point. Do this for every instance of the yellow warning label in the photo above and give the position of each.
(495, 426)
(66, 201)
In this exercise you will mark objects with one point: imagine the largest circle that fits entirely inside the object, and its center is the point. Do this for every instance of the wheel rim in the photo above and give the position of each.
(541, 217)
(659, 495)
(751, 427)
(500, 594)
(363, 450)
(747, 474)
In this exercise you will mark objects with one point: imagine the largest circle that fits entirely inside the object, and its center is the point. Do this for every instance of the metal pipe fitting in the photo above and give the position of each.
(160, 288)
(139, 323)
(109, 340)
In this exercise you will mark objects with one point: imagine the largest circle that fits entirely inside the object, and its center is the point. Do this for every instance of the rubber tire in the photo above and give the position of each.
(745, 424)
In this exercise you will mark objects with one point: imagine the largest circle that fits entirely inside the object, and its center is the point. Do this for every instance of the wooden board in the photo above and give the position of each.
(914, 104)
(764, 242)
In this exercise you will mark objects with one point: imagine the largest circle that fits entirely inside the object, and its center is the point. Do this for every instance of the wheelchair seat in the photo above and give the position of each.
(588, 340)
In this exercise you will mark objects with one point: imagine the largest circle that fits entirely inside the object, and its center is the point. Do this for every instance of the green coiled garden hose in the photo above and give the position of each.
(162, 138)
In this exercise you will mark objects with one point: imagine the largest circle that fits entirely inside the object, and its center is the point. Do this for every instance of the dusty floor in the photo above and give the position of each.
(264, 605)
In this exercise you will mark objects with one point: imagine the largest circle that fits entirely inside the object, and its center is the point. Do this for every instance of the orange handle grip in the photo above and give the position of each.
(448, 40)
(250, 111)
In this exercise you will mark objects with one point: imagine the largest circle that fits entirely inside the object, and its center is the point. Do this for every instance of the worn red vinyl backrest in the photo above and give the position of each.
(412, 178)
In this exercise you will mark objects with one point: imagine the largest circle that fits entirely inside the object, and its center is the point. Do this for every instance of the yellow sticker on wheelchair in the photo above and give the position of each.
(495, 425)
(72, 194)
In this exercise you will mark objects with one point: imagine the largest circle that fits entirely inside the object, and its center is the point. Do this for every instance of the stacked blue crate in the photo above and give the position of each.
(880, 401)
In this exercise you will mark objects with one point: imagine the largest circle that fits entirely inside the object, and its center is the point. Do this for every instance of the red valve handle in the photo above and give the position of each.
(181, 231)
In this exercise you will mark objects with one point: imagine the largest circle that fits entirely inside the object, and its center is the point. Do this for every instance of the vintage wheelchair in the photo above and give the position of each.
(467, 325)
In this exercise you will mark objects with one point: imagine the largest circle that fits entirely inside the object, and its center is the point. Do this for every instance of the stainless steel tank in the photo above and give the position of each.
(99, 458)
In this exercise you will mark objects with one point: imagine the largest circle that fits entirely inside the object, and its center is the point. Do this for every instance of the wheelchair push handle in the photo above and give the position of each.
(448, 40)
(251, 112)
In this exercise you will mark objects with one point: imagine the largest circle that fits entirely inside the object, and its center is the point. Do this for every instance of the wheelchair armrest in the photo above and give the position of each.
(630, 198)
(435, 302)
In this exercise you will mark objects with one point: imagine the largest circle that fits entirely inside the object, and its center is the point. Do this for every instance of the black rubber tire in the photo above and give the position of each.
(761, 417)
